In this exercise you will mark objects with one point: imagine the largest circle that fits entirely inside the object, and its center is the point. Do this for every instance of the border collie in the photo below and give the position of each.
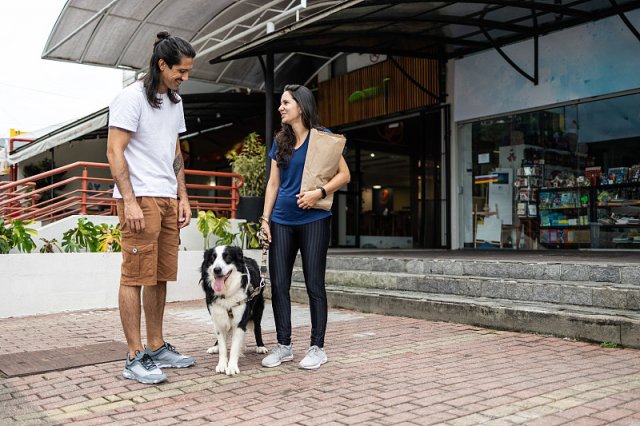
(229, 281)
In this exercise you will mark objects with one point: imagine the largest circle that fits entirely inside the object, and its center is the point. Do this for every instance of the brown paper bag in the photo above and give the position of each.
(322, 162)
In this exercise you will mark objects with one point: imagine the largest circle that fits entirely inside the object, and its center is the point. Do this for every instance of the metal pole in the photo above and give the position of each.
(53, 166)
(83, 197)
(269, 103)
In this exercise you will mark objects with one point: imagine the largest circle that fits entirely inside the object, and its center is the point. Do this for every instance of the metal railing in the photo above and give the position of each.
(88, 193)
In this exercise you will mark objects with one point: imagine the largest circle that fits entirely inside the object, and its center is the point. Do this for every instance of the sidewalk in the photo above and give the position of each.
(381, 370)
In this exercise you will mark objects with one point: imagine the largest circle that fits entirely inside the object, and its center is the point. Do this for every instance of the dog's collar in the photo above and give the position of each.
(254, 292)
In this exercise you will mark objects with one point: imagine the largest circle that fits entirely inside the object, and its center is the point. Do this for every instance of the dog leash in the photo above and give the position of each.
(264, 245)
(264, 279)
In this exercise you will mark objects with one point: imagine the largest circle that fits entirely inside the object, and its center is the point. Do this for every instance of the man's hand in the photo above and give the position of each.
(133, 216)
(184, 213)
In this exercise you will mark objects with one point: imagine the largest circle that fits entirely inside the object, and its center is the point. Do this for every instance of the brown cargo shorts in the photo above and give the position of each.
(151, 255)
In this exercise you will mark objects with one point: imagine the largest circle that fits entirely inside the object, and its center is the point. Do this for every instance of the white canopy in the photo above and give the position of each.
(61, 135)
(120, 33)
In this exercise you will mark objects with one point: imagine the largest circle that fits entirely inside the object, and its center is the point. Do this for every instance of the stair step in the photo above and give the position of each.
(594, 324)
(576, 293)
(557, 270)
(592, 300)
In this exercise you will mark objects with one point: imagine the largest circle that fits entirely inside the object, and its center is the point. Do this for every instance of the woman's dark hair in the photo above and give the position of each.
(171, 49)
(285, 138)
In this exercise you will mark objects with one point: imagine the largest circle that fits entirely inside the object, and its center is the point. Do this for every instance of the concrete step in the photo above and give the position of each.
(621, 327)
(575, 298)
(554, 270)
(581, 293)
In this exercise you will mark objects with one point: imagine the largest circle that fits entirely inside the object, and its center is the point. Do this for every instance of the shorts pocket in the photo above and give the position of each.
(138, 261)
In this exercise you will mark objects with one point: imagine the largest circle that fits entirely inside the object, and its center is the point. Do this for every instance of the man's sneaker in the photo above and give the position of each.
(168, 357)
(143, 369)
(314, 358)
(278, 355)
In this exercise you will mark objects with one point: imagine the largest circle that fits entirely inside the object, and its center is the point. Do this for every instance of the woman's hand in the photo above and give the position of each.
(308, 199)
(264, 226)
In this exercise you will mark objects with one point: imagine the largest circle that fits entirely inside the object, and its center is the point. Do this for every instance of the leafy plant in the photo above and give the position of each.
(250, 162)
(6, 242)
(249, 235)
(83, 237)
(209, 224)
(21, 237)
(110, 238)
(49, 246)
(609, 345)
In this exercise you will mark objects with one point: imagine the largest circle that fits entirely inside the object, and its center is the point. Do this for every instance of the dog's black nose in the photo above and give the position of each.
(217, 270)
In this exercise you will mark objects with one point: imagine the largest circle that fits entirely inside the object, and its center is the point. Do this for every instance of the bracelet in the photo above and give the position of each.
(324, 192)
(263, 218)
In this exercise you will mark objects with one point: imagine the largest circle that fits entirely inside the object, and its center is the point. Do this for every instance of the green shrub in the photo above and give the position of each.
(17, 235)
(251, 164)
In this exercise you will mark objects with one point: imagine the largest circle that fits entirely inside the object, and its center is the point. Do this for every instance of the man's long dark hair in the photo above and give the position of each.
(171, 49)
(285, 138)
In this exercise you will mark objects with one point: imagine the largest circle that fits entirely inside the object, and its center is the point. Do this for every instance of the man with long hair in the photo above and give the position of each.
(144, 154)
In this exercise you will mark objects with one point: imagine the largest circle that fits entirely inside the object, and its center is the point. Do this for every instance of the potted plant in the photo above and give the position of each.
(250, 162)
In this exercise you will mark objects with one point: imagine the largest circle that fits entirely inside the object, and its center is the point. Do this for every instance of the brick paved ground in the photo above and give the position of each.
(381, 370)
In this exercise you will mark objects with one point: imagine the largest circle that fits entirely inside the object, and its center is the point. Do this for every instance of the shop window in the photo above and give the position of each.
(563, 177)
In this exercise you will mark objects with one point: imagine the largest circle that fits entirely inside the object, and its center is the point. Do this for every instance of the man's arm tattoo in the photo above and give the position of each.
(178, 164)
(178, 168)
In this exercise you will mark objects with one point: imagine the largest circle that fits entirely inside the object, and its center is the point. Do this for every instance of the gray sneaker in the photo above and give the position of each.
(168, 357)
(313, 359)
(143, 369)
(278, 355)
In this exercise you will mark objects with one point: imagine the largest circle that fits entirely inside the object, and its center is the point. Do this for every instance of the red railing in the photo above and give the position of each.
(92, 194)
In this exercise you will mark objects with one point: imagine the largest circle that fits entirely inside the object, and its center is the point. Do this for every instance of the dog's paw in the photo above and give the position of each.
(261, 350)
(221, 368)
(213, 350)
(232, 369)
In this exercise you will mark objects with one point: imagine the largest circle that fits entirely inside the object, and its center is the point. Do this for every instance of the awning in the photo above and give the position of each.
(203, 113)
(307, 34)
(432, 29)
(64, 134)
(120, 34)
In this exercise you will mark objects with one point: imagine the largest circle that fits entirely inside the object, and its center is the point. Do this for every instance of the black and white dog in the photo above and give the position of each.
(234, 299)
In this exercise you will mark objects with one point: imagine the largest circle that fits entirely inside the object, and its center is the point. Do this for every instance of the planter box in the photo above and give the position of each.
(38, 283)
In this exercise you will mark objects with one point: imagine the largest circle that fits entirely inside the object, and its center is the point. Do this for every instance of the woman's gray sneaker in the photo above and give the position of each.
(314, 358)
(143, 369)
(278, 355)
(168, 357)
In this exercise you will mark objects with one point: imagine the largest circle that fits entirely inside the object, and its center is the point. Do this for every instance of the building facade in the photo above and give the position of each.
(552, 165)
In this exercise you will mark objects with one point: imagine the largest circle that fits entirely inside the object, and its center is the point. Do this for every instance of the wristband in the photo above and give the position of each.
(263, 218)
(324, 192)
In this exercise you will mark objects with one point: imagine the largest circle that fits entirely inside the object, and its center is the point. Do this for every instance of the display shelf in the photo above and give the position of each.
(554, 236)
(613, 203)
(564, 208)
(565, 227)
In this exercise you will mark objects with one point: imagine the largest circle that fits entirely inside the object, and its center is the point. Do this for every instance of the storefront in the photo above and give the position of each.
(397, 197)
(560, 166)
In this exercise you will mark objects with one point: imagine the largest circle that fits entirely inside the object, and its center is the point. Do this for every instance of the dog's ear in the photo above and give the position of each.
(236, 251)
(208, 254)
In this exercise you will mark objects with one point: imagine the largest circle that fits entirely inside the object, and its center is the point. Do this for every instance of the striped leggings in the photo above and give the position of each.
(312, 239)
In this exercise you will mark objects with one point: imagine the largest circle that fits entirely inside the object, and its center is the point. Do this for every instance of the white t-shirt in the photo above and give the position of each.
(152, 147)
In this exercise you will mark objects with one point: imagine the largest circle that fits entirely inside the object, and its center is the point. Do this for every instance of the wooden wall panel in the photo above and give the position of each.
(367, 84)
